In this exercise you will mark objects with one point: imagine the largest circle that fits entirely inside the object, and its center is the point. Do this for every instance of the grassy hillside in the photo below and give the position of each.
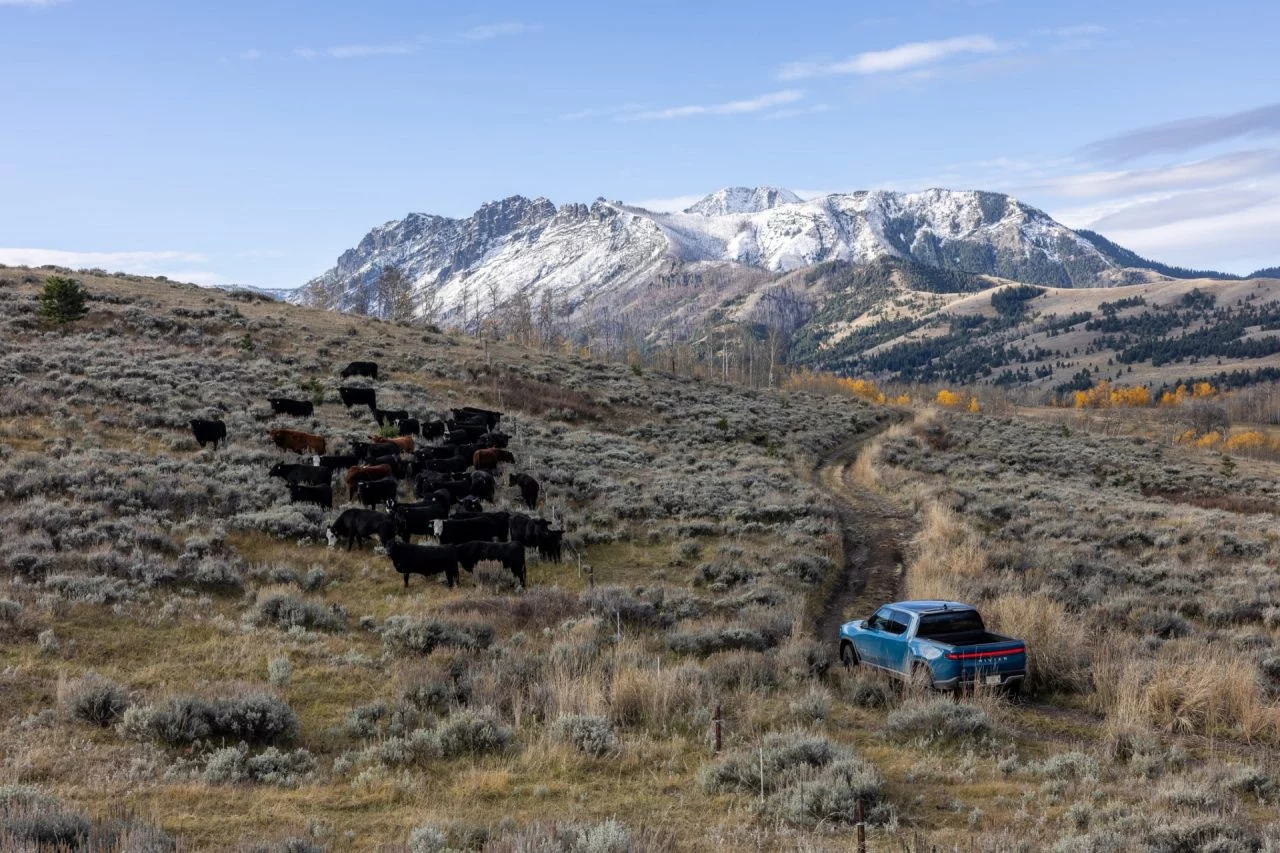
(185, 664)
(1052, 339)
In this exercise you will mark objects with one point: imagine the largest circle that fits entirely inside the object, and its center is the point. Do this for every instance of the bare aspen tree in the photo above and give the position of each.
(395, 295)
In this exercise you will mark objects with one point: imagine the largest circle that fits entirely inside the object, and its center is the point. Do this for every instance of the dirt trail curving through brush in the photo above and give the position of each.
(874, 533)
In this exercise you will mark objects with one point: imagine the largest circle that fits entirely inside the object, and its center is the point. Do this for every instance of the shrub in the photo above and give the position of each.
(287, 611)
(62, 300)
(586, 733)
(428, 839)
(279, 671)
(869, 693)
(233, 764)
(813, 706)
(31, 820)
(807, 780)
(402, 634)
(47, 642)
(472, 733)
(710, 640)
(95, 700)
(939, 721)
(609, 602)
(255, 719)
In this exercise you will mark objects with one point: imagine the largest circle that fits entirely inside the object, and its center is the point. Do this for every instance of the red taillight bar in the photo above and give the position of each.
(995, 654)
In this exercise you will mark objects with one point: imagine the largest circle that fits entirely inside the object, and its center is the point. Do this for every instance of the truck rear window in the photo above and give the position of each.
(953, 622)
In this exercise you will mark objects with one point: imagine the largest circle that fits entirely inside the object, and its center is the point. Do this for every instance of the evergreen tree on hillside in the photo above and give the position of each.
(62, 300)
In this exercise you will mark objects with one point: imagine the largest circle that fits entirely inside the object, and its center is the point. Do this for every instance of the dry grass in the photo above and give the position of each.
(946, 555)
(700, 529)
(1186, 688)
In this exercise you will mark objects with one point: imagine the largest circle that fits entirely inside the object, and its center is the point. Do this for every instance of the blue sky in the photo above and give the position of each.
(254, 141)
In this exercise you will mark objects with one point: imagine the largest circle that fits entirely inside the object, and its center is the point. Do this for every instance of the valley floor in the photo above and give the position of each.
(715, 537)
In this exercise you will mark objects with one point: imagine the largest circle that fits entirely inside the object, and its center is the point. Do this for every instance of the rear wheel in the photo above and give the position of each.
(848, 655)
(921, 678)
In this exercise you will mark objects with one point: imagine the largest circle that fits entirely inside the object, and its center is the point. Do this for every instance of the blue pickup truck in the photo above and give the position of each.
(939, 644)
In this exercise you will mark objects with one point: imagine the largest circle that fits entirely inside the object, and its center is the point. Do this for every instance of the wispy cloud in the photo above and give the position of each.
(1186, 134)
(1074, 31)
(251, 55)
(603, 112)
(184, 266)
(1201, 204)
(797, 112)
(32, 3)
(748, 105)
(357, 51)
(895, 59)
(1215, 171)
(484, 32)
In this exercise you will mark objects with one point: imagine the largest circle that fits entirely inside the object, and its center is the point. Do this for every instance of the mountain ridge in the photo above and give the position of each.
(580, 252)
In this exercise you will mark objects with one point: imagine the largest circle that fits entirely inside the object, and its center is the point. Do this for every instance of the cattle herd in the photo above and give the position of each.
(453, 464)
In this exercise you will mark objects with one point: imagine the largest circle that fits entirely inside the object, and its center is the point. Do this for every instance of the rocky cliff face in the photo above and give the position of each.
(588, 255)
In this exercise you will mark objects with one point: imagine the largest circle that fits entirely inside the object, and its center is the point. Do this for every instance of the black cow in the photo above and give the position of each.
(549, 542)
(464, 435)
(537, 533)
(398, 466)
(361, 368)
(425, 560)
(357, 525)
(318, 495)
(470, 412)
(409, 426)
(426, 484)
(349, 460)
(209, 431)
(298, 474)
(452, 531)
(454, 464)
(385, 416)
(358, 397)
(285, 406)
(499, 522)
(528, 486)
(510, 554)
(418, 520)
(433, 429)
(483, 485)
(470, 504)
(371, 493)
(494, 439)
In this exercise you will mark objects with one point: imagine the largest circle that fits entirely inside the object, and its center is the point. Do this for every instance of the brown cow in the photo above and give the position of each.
(362, 473)
(404, 444)
(487, 458)
(298, 441)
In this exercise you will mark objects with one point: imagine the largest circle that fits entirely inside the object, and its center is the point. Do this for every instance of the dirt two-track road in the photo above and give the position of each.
(874, 533)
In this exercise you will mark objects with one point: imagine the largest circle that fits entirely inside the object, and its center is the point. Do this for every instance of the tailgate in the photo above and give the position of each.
(1007, 657)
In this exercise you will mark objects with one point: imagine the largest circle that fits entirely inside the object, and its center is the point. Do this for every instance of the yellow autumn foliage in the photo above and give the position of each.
(950, 399)
(1181, 394)
(1105, 396)
(1249, 440)
(829, 383)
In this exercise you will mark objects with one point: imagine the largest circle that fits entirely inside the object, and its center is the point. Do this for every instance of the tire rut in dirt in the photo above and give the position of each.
(872, 533)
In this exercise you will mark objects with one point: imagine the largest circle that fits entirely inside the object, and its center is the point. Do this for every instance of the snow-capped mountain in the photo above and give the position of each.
(588, 255)
(742, 200)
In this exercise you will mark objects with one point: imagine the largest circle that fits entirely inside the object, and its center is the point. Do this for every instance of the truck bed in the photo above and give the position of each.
(968, 638)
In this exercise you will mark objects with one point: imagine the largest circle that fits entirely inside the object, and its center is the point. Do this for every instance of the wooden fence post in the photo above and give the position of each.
(718, 720)
(861, 826)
